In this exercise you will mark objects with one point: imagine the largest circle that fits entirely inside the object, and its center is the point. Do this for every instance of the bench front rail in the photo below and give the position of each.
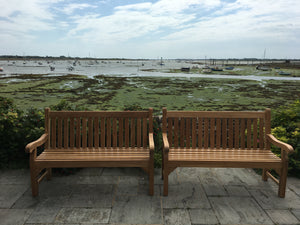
(93, 139)
(221, 139)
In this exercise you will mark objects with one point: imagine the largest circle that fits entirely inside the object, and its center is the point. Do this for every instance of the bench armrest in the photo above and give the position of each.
(286, 147)
(39, 142)
(151, 142)
(165, 142)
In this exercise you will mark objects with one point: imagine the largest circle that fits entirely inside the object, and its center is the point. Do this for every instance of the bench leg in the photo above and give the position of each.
(264, 174)
(34, 182)
(282, 181)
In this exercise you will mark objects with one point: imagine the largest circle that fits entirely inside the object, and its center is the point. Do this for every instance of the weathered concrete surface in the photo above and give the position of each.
(120, 196)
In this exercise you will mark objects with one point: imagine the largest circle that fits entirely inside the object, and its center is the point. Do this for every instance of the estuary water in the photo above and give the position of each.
(120, 68)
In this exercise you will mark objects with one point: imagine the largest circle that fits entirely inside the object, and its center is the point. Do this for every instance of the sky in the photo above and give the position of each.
(195, 29)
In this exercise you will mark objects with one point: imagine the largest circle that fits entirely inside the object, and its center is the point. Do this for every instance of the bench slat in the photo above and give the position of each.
(224, 133)
(102, 132)
(115, 133)
(53, 132)
(126, 132)
(242, 132)
(236, 133)
(254, 133)
(176, 130)
(66, 133)
(261, 134)
(194, 133)
(96, 132)
(145, 139)
(121, 125)
(138, 132)
(84, 132)
(72, 133)
(132, 133)
(78, 135)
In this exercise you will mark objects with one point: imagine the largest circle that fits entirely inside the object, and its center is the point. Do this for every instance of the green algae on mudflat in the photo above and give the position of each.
(177, 93)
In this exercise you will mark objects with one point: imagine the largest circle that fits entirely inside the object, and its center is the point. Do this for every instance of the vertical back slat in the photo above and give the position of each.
(170, 128)
(72, 132)
(188, 131)
(115, 134)
(206, 132)
(267, 128)
(236, 133)
(47, 127)
(200, 133)
(212, 133)
(78, 136)
(224, 133)
(59, 132)
(121, 132)
(145, 138)
(108, 132)
(261, 133)
(126, 132)
(84, 132)
(218, 133)
(230, 133)
(53, 132)
(255, 133)
(132, 132)
(66, 132)
(176, 130)
(182, 126)
(242, 132)
(138, 132)
(90, 133)
(96, 132)
(102, 132)
(249, 133)
(194, 133)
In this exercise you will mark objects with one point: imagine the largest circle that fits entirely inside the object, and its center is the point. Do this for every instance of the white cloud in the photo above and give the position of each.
(163, 25)
(69, 9)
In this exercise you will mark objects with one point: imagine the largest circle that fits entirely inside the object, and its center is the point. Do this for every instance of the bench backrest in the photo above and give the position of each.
(217, 129)
(94, 129)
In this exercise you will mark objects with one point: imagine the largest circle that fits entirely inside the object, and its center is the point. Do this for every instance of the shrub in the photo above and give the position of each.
(17, 128)
(286, 127)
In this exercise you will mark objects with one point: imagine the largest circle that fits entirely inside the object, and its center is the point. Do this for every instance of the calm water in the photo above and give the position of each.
(124, 68)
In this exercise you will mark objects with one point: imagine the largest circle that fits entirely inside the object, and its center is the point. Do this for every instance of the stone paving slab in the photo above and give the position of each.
(284, 217)
(120, 196)
(141, 209)
(238, 210)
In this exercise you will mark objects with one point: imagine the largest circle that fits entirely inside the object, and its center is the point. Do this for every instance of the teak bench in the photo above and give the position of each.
(222, 139)
(93, 139)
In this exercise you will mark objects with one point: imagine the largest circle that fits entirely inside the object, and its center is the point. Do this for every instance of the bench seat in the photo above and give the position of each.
(223, 158)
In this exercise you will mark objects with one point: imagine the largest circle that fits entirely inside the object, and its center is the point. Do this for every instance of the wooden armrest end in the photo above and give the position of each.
(284, 146)
(33, 145)
(151, 142)
(166, 142)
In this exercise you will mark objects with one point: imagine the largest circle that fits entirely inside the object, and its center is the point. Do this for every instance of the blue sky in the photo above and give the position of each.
(151, 28)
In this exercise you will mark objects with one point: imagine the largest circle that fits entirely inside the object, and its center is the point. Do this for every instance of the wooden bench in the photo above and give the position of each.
(93, 139)
(222, 139)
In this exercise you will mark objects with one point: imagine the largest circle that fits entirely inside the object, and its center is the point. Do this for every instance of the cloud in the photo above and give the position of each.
(69, 9)
(151, 25)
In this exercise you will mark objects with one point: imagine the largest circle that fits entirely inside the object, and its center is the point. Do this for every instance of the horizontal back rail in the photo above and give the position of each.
(216, 114)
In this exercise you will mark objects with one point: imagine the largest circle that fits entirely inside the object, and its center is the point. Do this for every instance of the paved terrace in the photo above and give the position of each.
(120, 196)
